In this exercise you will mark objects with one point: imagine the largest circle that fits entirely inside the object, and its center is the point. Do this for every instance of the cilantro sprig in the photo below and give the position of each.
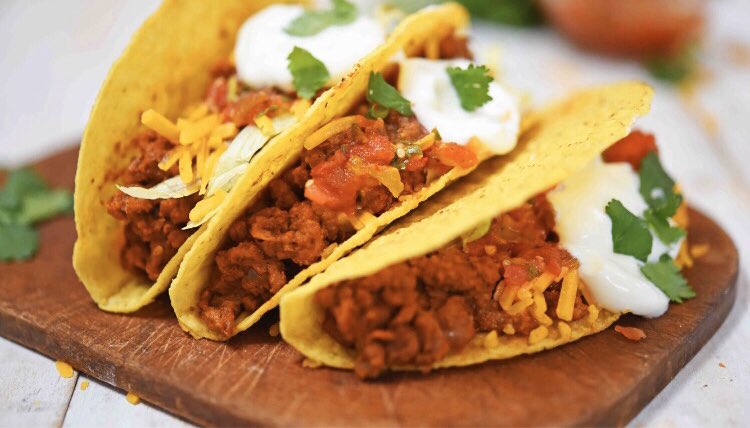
(472, 85)
(382, 94)
(308, 73)
(312, 22)
(630, 234)
(657, 187)
(667, 277)
(24, 201)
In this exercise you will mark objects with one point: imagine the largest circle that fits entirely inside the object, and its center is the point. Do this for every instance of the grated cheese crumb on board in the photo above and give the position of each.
(64, 369)
(132, 398)
(84, 385)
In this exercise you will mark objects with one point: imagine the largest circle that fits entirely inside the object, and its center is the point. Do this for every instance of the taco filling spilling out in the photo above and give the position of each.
(606, 238)
(420, 118)
(184, 168)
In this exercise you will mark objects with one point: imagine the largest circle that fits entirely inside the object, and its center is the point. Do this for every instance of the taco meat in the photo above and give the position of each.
(418, 311)
(312, 206)
(153, 228)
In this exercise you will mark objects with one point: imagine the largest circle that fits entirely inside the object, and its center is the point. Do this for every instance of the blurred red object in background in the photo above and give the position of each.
(633, 28)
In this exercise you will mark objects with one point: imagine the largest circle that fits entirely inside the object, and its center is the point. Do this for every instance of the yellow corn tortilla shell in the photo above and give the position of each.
(194, 273)
(166, 67)
(554, 143)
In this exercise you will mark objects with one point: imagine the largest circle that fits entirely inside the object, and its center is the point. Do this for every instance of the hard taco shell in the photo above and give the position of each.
(554, 143)
(408, 37)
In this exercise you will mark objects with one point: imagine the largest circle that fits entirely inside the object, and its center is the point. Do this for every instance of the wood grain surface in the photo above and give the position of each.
(257, 379)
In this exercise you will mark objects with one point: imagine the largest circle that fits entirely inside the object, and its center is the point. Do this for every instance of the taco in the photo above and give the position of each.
(416, 115)
(201, 89)
(528, 253)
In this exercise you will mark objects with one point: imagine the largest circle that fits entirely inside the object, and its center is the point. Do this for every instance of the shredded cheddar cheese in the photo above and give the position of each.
(199, 129)
(207, 205)
(541, 282)
(432, 49)
(507, 295)
(330, 129)
(84, 385)
(538, 334)
(197, 112)
(491, 340)
(509, 329)
(699, 250)
(232, 89)
(564, 329)
(186, 166)
(427, 141)
(265, 125)
(593, 313)
(161, 125)
(540, 309)
(567, 299)
(519, 306)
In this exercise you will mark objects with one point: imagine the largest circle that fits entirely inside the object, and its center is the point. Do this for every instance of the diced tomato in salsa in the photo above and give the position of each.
(631, 149)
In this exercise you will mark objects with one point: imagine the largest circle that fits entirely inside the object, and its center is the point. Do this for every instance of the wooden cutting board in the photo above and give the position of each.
(257, 379)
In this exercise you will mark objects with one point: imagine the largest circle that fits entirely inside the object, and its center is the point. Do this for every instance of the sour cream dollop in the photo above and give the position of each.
(426, 84)
(262, 46)
(614, 280)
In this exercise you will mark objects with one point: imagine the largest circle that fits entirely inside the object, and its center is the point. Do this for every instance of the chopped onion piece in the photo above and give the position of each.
(168, 189)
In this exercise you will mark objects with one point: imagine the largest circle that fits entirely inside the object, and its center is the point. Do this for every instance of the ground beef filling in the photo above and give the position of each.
(286, 231)
(419, 311)
(309, 207)
(153, 228)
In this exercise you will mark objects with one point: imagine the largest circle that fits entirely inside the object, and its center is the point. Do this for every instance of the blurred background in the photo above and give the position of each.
(696, 53)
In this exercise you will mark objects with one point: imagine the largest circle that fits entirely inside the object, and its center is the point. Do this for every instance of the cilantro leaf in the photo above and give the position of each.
(522, 13)
(667, 233)
(657, 187)
(17, 241)
(674, 68)
(667, 276)
(24, 200)
(312, 22)
(41, 206)
(472, 85)
(630, 234)
(383, 94)
(308, 73)
(20, 182)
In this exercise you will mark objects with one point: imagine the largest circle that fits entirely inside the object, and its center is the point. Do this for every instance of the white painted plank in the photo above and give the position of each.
(101, 405)
(32, 393)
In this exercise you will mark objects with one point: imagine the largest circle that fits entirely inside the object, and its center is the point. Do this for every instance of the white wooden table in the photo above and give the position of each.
(53, 56)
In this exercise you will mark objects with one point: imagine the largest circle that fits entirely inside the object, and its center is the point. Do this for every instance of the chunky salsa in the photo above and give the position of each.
(364, 166)
(514, 280)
